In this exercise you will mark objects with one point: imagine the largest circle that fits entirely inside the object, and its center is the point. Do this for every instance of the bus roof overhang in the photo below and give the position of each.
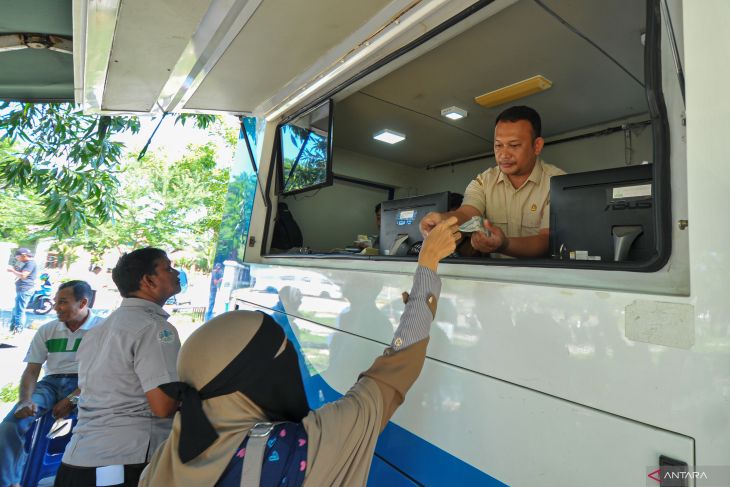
(36, 51)
(233, 56)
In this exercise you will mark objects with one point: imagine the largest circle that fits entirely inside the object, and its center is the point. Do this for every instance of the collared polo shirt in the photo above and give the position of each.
(56, 346)
(132, 352)
(518, 212)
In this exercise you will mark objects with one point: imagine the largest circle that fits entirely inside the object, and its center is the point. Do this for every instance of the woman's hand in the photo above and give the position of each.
(440, 242)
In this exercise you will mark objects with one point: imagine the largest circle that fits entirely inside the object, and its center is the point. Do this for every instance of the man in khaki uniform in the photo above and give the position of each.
(514, 196)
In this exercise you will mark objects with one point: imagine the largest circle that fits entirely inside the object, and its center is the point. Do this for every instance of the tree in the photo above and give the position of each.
(69, 159)
(169, 204)
(19, 217)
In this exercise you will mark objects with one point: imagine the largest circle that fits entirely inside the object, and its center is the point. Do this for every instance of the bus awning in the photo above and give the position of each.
(36, 60)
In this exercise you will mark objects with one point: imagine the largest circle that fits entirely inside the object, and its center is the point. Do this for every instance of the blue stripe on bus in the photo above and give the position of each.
(419, 459)
(398, 448)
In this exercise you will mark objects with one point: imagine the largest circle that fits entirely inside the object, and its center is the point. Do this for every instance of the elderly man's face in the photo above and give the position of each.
(514, 149)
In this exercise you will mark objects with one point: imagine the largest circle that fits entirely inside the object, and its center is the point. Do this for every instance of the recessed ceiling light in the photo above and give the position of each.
(389, 136)
(454, 113)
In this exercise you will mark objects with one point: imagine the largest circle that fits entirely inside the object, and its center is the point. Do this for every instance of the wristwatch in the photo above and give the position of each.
(73, 399)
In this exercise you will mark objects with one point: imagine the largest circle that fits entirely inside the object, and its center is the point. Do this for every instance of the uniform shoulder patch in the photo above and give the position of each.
(166, 336)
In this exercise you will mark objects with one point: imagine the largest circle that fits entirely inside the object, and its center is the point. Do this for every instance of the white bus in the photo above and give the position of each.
(580, 368)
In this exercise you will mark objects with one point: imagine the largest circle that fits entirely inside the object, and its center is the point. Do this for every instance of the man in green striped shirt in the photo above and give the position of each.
(54, 344)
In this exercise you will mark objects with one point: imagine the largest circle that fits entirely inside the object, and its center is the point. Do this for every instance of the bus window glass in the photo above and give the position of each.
(305, 151)
(233, 234)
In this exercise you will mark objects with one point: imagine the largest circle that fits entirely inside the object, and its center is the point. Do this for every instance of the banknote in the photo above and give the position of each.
(474, 224)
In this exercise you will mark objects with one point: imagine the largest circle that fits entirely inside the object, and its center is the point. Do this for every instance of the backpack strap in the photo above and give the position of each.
(255, 448)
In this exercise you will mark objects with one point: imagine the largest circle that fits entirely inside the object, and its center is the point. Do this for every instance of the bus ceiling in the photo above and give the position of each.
(36, 51)
(273, 58)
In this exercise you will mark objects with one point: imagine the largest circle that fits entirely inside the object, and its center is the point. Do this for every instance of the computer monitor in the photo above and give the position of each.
(399, 221)
(607, 214)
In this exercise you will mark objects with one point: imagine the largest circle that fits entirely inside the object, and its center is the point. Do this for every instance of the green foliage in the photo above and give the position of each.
(20, 215)
(9, 393)
(234, 228)
(308, 150)
(168, 204)
(68, 159)
(65, 157)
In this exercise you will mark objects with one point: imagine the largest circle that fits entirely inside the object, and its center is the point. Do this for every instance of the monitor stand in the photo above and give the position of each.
(623, 237)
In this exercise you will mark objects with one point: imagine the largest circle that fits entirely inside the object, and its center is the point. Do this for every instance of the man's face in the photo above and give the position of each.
(165, 281)
(67, 308)
(514, 149)
(23, 257)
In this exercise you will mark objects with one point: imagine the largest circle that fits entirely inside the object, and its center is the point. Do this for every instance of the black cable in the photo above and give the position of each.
(587, 39)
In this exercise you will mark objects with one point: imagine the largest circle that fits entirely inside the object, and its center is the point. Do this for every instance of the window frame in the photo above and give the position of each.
(279, 160)
(661, 158)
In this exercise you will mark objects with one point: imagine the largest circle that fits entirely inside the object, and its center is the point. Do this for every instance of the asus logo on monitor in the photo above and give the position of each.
(627, 205)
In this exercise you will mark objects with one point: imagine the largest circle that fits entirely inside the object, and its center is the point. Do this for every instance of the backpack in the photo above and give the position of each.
(286, 231)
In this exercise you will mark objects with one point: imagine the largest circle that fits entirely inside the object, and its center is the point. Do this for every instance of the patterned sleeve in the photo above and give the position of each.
(415, 323)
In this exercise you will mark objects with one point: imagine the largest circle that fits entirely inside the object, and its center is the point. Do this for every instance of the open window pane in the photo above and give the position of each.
(305, 151)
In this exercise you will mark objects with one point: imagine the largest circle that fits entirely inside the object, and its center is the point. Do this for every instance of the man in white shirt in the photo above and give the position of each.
(123, 414)
(54, 344)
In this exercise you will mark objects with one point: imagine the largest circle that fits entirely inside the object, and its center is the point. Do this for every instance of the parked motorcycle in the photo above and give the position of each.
(41, 302)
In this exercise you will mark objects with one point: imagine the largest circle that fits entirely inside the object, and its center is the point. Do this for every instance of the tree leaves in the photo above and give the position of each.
(68, 159)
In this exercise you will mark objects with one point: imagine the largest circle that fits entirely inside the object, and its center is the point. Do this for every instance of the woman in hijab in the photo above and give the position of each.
(244, 417)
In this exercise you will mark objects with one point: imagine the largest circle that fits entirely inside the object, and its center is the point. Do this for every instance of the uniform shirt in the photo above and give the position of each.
(56, 345)
(518, 212)
(132, 352)
(27, 284)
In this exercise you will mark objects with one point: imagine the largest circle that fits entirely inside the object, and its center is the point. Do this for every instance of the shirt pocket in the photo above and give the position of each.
(532, 215)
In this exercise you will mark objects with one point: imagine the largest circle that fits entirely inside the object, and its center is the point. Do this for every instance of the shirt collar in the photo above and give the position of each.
(87, 324)
(143, 303)
(535, 175)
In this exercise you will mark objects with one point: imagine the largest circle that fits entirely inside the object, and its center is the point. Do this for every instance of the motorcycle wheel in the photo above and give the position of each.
(43, 306)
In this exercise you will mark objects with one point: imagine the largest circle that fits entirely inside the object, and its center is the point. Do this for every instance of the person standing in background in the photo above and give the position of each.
(25, 271)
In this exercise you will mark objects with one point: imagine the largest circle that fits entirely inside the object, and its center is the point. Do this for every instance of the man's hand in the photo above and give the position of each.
(496, 242)
(429, 222)
(10, 269)
(25, 409)
(63, 408)
(440, 242)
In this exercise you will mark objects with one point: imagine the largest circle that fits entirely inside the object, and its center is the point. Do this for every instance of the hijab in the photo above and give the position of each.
(238, 369)
(235, 370)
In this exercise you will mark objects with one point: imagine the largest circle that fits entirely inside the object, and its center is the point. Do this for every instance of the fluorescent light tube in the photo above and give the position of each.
(514, 91)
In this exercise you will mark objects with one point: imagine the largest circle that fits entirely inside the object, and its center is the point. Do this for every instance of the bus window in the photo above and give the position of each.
(599, 111)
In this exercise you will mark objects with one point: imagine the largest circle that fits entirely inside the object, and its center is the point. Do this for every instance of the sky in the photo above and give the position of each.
(172, 139)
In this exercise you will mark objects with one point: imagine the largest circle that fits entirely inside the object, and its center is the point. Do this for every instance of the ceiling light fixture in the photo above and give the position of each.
(388, 136)
(454, 113)
(514, 91)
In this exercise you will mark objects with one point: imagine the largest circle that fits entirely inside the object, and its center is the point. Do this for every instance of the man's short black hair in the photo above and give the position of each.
(522, 112)
(132, 267)
(377, 208)
(81, 289)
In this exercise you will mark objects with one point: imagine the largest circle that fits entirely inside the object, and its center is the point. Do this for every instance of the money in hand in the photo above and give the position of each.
(474, 224)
